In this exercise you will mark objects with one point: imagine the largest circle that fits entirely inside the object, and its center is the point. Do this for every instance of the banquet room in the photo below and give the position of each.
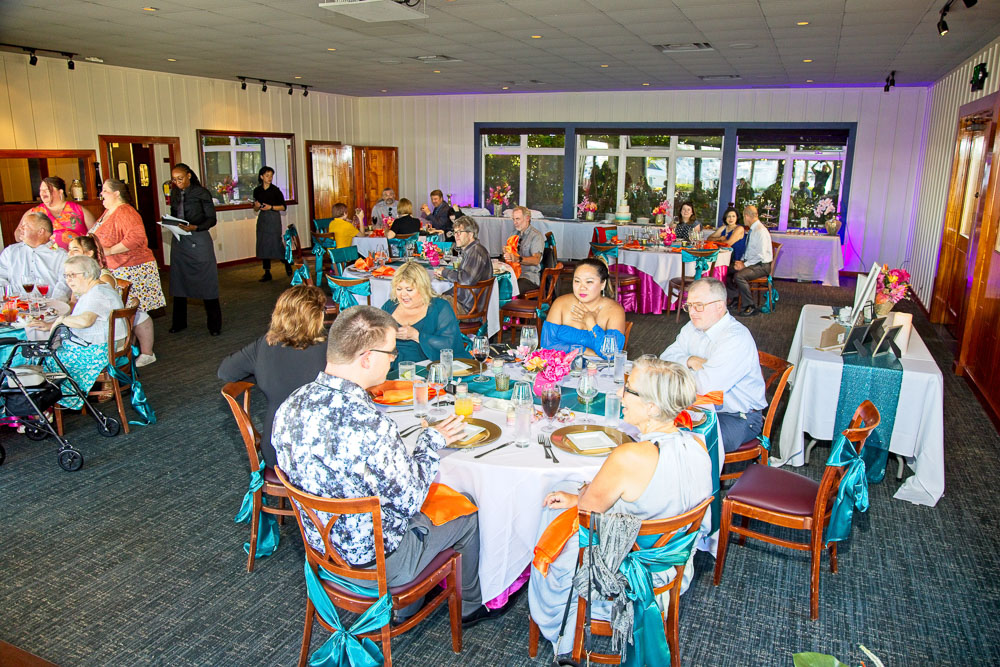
(695, 270)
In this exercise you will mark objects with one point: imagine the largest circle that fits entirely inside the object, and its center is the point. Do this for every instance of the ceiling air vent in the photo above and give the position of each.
(684, 47)
(375, 11)
(720, 77)
(436, 60)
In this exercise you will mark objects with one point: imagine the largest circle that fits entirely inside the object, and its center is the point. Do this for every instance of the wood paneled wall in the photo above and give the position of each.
(435, 139)
(946, 96)
(48, 106)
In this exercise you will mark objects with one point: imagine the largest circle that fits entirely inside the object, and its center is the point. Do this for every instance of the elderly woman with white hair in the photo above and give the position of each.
(668, 472)
(85, 353)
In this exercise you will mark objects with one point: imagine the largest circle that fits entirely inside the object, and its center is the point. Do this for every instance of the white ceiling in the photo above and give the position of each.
(851, 42)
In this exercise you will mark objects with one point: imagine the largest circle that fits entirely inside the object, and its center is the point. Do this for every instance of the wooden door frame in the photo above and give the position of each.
(359, 176)
(309, 173)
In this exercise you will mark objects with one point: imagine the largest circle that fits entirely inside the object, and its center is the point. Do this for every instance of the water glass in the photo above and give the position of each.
(448, 361)
(620, 359)
(529, 338)
(522, 424)
(436, 378)
(576, 368)
(407, 370)
(612, 408)
(522, 394)
(420, 398)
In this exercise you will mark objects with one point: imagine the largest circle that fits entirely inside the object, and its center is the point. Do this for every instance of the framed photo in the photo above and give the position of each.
(854, 338)
(885, 343)
(876, 330)
(865, 291)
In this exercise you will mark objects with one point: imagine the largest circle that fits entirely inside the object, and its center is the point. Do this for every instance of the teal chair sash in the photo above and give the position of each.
(139, 401)
(397, 247)
(344, 647)
(709, 431)
(765, 442)
(339, 256)
(343, 295)
(267, 528)
(701, 264)
(506, 291)
(322, 225)
(772, 297)
(852, 493)
(649, 642)
(606, 255)
(301, 275)
(289, 237)
(319, 248)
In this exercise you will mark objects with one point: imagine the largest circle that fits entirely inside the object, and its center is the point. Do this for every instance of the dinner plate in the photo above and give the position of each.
(489, 432)
(590, 440)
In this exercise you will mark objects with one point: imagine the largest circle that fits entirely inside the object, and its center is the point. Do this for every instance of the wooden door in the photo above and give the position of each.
(145, 188)
(377, 169)
(331, 177)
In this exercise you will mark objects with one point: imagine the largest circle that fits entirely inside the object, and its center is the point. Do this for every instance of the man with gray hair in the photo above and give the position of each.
(722, 355)
(756, 262)
(35, 260)
(474, 263)
(333, 441)
(385, 207)
(530, 246)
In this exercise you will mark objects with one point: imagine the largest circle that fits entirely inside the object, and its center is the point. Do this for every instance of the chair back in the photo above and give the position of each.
(321, 225)
(628, 332)
(548, 283)
(686, 279)
(404, 237)
(857, 435)
(775, 251)
(550, 255)
(121, 348)
(775, 371)
(349, 282)
(323, 513)
(601, 248)
(344, 257)
(308, 279)
(473, 320)
(237, 394)
(296, 245)
(124, 289)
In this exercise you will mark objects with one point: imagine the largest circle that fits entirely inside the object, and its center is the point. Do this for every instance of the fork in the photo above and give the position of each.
(410, 430)
(541, 441)
(548, 447)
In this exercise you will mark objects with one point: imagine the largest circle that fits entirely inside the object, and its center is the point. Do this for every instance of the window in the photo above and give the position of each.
(658, 168)
(531, 163)
(230, 162)
(22, 171)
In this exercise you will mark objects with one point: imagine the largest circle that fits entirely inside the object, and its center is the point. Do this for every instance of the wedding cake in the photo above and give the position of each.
(623, 214)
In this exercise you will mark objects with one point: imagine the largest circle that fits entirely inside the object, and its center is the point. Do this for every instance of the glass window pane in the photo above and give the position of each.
(547, 140)
(661, 140)
(216, 141)
(598, 179)
(646, 180)
(697, 181)
(813, 180)
(16, 182)
(758, 182)
(501, 139)
(599, 141)
(247, 165)
(545, 184)
(500, 169)
(249, 141)
(218, 170)
(704, 142)
(761, 148)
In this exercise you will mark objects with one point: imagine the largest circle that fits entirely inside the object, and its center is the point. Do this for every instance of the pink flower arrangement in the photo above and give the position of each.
(501, 194)
(668, 236)
(227, 187)
(433, 253)
(586, 206)
(893, 285)
(551, 365)
(665, 208)
(825, 209)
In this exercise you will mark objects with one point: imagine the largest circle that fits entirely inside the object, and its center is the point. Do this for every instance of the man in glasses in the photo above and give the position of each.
(332, 441)
(722, 354)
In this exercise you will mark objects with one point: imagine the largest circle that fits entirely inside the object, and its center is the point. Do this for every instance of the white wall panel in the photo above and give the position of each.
(49, 107)
(945, 98)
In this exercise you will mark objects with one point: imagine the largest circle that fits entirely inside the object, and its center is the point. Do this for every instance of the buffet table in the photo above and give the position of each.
(655, 268)
(918, 433)
(814, 258)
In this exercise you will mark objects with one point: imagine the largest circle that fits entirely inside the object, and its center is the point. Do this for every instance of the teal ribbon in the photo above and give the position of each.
(853, 490)
(765, 442)
(301, 275)
(542, 311)
(344, 647)
(701, 264)
(772, 297)
(267, 527)
(432, 238)
(343, 295)
(606, 255)
(399, 245)
(322, 225)
(338, 256)
(506, 292)
(649, 641)
(879, 380)
(709, 431)
(139, 401)
(289, 237)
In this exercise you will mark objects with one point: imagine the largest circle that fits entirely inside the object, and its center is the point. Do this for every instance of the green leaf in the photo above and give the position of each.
(816, 660)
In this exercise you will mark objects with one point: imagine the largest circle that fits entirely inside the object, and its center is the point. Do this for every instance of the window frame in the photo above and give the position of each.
(291, 198)
(522, 150)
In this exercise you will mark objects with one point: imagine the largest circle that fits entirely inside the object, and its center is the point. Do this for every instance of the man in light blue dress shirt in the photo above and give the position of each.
(722, 355)
(756, 262)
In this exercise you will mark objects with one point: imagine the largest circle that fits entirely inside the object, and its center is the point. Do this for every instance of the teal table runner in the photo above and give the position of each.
(877, 379)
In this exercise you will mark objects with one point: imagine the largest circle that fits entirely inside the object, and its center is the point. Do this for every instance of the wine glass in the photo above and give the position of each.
(529, 340)
(437, 379)
(550, 404)
(480, 350)
(586, 391)
(43, 290)
(608, 348)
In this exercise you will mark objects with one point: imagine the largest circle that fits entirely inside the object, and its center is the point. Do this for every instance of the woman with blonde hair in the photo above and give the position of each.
(427, 323)
(404, 223)
(289, 355)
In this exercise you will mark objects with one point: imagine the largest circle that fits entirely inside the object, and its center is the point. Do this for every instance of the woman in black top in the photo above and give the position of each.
(405, 223)
(193, 269)
(290, 355)
(267, 201)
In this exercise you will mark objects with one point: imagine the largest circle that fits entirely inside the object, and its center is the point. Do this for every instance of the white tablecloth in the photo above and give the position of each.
(367, 244)
(809, 258)
(662, 266)
(381, 286)
(918, 433)
(572, 237)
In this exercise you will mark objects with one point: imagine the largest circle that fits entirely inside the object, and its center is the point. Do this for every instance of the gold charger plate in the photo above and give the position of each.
(491, 434)
(475, 367)
(560, 440)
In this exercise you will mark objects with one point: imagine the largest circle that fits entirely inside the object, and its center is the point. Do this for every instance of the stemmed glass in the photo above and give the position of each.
(608, 348)
(480, 350)
(437, 379)
(529, 341)
(550, 404)
(586, 391)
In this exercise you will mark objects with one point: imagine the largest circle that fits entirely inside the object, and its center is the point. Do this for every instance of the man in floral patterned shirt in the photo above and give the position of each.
(332, 441)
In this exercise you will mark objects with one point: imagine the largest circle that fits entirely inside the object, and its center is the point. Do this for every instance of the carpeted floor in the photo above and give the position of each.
(135, 559)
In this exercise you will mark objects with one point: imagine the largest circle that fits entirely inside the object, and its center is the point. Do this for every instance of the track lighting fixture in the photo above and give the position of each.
(263, 88)
(289, 90)
(942, 25)
(32, 52)
(32, 59)
(305, 91)
(969, 3)
(890, 81)
(243, 83)
(70, 64)
(263, 84)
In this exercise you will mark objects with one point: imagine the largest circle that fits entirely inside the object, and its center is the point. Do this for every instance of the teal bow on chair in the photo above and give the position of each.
(708, 430)
(606, 255)
(506, 292)
(764, 441)
(649, 641)
(319, 248)
(301, 275)
(289, 237)
(853, 490)
(772, 297)
(542, 311)
(701, 264)
(343, 295)
(139, 401)
(397, 245)
(343, 647)
(267, 528)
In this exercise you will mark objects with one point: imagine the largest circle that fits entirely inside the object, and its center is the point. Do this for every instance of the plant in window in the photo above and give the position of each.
(226, 189)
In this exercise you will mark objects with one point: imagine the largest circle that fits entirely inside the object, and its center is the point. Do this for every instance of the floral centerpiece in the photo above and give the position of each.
(550, 366)
(433, 253)
(663, 211)
(226, 189)
(893, 286)
(500, 196)
(587, 208)
(668, 236)
(826, 212)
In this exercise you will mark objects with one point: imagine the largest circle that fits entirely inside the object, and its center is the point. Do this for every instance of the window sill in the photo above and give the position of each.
(246, 205)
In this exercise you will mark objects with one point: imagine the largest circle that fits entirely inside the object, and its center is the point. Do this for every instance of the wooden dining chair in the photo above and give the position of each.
(343, 258)
(665, 529)
(471, 322)
(444, 570)
(628, 332)
(297, 254)
(521, 312)
(787, 499)
(321, 225)
(679, 286)
(237, 395)
(775, 371)
(124, 289)
(760, 286)
(345, 282)
(330, 309)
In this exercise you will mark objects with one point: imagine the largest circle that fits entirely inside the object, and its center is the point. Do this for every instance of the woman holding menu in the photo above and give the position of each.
(193, 270)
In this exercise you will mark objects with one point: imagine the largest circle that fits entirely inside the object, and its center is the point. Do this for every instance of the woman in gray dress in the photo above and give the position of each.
(194, 272)
(267, 202)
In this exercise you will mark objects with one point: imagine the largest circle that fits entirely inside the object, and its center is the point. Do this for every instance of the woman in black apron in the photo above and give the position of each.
(194, 272)
(267, 201)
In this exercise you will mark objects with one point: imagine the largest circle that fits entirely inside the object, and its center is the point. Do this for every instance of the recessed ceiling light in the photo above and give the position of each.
(645, 84)
(384, 90)
(506, 88)
(298, 77)
(331, 49)
(149, 9)
(802, 23)
(743, 46)
(603, 65)
(536, 37)
(809, 80)
(94, 59)
(437, 71)
(807, 60)
(171, 60)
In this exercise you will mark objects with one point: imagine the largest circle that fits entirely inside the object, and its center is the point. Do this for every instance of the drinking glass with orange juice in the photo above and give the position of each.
(463, 402)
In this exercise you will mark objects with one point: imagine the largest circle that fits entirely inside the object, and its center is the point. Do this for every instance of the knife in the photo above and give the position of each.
(479, 456)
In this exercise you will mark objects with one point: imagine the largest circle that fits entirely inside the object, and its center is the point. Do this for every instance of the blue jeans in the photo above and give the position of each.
(736, 430)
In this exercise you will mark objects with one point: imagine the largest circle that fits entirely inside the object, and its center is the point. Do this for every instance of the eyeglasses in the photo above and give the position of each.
(698, 307)
(393, 353)
(630, 390)
(462, 231)
(72, 275)
(179, 179)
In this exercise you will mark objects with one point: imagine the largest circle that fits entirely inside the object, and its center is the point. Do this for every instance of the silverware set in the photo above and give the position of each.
(547, 446)
(410, 430)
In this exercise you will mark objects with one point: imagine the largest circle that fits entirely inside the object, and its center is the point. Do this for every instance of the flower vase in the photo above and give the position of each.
(882, 309)
(225, 198)
(659, 219)
(590, 216)
(832, 226)
(540, 384)
(434, 261)
(497, 209)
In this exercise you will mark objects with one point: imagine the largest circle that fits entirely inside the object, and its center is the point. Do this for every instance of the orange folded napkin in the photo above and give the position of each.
(444, 504)
(632, 245)
(554, 539)
(384, 272)
(363, 264)
(683, 420)
(711, 245)
(511, 247)
(396, 391)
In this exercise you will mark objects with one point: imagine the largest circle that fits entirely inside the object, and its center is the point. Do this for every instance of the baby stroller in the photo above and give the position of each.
(27, 392)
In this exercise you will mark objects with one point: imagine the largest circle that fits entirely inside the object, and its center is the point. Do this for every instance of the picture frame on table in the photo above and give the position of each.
(876, 330)
(865, 292)
(887, 344)
(854, 340)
